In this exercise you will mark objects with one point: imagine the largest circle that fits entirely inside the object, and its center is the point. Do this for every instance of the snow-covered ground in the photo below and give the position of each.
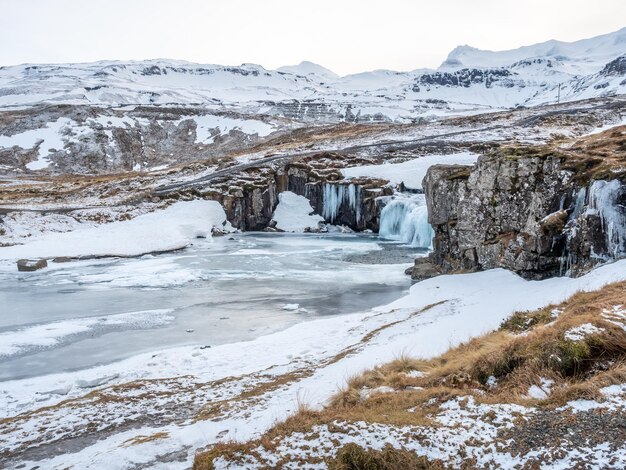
(169, 229)
(257, 382)
(410, 172)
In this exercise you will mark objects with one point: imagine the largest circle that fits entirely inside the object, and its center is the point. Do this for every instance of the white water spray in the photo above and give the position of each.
(405, 218)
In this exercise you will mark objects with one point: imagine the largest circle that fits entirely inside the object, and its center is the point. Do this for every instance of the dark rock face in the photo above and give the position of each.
(524, 213)
(250, 198)
(96, 141)
(466, 77)
(616, 67)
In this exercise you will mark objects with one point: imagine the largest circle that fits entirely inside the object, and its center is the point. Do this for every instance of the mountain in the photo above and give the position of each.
(308, 68)
(582, 57)
(470, 81)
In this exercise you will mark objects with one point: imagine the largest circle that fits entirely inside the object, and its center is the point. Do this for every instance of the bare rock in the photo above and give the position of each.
(423, 269)
(520, 209)
(31, 264)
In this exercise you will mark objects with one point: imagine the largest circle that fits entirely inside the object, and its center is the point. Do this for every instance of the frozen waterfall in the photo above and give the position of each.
(603, 199)
(337, 194)
(405, 218)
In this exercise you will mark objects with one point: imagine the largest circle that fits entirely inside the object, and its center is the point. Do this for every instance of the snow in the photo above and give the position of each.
(50, 137)
(294, 213)
(415, 374)
(291, 307)
(541, 392)
(464, 306)
(365, 392)
(585, 55)
(308, 68)
(578, 333)
(411, 172)
(615, 315)
(373, 95)
(606, 127)
(164, 230)
(206, 124)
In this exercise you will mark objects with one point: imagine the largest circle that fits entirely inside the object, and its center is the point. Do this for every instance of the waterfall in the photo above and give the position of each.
(337, 194)
(603, 200)
(405, 218)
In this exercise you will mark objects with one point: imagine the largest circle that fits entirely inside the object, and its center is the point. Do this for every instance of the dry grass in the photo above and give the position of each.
(529, 346)
(599, 156)
(354, 457)
(137, 440)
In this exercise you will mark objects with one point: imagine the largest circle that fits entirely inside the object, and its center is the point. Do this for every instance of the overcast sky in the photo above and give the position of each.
(344, 35)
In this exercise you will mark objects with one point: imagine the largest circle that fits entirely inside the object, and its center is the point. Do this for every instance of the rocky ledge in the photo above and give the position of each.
(539, 211)
(250, 196)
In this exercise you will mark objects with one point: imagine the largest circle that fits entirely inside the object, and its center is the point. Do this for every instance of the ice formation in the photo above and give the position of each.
(406, 219)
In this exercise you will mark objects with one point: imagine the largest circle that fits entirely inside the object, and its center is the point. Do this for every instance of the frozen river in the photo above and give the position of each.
(78, 315)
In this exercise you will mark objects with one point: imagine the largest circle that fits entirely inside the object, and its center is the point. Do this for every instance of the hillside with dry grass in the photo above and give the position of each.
(547, 388)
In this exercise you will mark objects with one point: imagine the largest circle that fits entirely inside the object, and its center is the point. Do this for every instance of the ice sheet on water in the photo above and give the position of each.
(49, 335)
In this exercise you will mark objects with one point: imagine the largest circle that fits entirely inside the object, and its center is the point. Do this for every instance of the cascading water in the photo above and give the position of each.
(603, 200)
(405, 218)
(337, 194)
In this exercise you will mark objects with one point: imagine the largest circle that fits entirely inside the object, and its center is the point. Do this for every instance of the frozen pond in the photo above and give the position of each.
(81, 314)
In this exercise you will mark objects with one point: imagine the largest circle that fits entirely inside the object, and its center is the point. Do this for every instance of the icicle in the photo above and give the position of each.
(580, 203)
(336, 195)
(603, 200)
(406, 219)
(331, 199)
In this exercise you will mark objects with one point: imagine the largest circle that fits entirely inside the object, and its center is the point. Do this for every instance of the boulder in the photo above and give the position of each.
(423, 269)
(31, 264)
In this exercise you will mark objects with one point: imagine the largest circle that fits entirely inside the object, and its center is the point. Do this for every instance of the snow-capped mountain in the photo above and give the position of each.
(305, 68)
(582, 57)
(469, 81)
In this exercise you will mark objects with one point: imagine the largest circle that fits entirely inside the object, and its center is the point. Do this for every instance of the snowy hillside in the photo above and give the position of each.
(469, 81)
(581, 57)
(308, 68)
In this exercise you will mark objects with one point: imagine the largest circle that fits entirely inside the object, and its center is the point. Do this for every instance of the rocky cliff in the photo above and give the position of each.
(250, 196)
(538, 211)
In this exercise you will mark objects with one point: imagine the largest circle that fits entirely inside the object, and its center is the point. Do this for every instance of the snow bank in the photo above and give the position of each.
(294, 213)
(164, 230)
(411, 172)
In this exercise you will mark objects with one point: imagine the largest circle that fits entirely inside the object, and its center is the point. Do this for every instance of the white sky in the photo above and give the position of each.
(344, 35)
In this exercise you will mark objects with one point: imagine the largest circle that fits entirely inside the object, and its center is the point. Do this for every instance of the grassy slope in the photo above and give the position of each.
(498, 368)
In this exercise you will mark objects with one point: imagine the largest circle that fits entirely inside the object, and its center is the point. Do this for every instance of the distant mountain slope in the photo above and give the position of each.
(308, 68)
(471, 81)
(583, 57)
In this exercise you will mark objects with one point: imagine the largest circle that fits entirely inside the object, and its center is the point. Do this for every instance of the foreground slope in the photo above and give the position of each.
(546, 389)
(133, 415)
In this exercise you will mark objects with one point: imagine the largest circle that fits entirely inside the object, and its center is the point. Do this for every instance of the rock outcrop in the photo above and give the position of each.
(250, 197)
(532, 210)
(28, 265)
